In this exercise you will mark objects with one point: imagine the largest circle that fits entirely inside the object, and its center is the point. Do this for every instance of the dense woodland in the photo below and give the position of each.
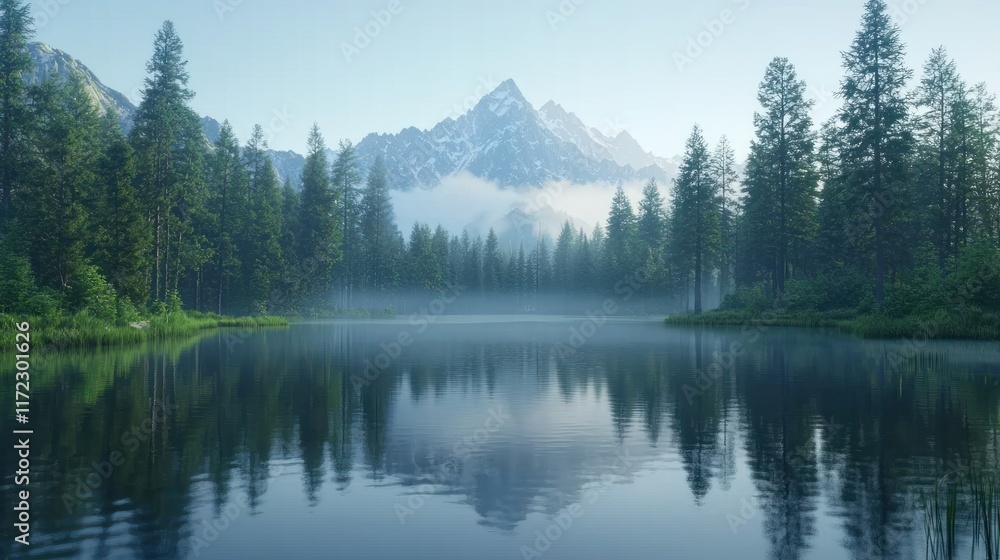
(893, 207)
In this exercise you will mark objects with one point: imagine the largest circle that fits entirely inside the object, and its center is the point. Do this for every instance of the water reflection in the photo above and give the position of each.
(801, 445)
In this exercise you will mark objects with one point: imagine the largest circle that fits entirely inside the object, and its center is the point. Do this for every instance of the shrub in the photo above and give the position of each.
(91, 293)
(755, 299)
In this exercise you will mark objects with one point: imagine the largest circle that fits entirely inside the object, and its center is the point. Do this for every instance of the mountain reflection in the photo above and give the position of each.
(822, 425)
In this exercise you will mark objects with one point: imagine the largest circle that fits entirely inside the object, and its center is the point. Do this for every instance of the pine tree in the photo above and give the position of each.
(261, 253)
(346, 178)
(781, 181)
(53, 203)
(938, 98)
(229, 206)
(878, 141)
(319, 231)
(423, 270)
(169, 147)
(442, 254)
(562, 261)
(379, 234)
(123, 238)
(620, 244)
(492, 263)
(695, 216)
(651, 235)
(986, 134)
(15, 115)
(724, 171)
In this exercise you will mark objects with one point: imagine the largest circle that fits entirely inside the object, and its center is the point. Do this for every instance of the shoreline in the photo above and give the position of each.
(73, 332)
(970, 325)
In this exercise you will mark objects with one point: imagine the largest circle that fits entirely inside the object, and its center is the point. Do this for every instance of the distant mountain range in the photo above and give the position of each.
(502, 139)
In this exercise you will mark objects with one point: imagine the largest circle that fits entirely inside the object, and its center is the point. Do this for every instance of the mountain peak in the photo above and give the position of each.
(52, 63)
(510, 87)
(505, 98)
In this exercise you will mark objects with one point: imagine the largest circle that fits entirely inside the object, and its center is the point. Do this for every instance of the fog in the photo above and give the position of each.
(630, 298)
(519, 214)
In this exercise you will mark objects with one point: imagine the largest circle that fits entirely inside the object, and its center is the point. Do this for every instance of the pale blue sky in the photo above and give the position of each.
(611, 62)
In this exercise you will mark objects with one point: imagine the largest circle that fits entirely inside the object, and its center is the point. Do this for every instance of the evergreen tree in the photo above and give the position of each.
(442, 254)
(319, 231)
(695, 216)
(492, 263)
(724, 170)
(781, 181)
(123, 238)
(878, 140)
(53, 202)
(620, 241)
(379, 234)
(262, 255)
(346, 178)
(939, 100)
(585, 278)
(229, 206)
(651, 235)
(423, 268)
(562, 261)
(169, 147)
(15, 115)
(986, 141)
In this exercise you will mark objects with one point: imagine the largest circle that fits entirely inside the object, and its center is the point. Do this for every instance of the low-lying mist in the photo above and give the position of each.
(518, 214)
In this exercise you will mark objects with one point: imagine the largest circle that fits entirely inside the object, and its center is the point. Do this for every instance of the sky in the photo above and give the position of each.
(651, 67)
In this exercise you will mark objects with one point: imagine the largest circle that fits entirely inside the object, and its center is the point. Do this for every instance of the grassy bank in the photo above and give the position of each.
(965, 324)
(82, 330)
(359, 313)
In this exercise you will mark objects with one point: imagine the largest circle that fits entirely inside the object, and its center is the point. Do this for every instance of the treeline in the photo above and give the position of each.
(891, 207)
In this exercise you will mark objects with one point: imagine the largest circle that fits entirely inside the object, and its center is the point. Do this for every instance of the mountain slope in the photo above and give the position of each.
(54, 63)
(622, 148)
(502, 139)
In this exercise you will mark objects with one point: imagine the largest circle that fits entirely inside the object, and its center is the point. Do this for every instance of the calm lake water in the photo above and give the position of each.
(500, 438)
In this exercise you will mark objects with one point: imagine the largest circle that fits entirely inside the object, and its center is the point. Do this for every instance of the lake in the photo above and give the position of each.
(501, 438)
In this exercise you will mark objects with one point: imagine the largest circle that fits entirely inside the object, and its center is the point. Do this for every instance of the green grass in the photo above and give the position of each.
(358, 313)
(82, 330)
(965, 324)
(973, 502)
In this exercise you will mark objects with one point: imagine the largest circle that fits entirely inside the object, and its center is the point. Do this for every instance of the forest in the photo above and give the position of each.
(890, 211)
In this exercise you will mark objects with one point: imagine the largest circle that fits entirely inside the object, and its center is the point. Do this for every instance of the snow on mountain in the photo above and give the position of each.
(621, 148)
(503, 139)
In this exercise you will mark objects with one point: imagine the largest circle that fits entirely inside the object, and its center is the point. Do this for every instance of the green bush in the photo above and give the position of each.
(975, 278)
(90, 292)
(18, 293)
(754, 299)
